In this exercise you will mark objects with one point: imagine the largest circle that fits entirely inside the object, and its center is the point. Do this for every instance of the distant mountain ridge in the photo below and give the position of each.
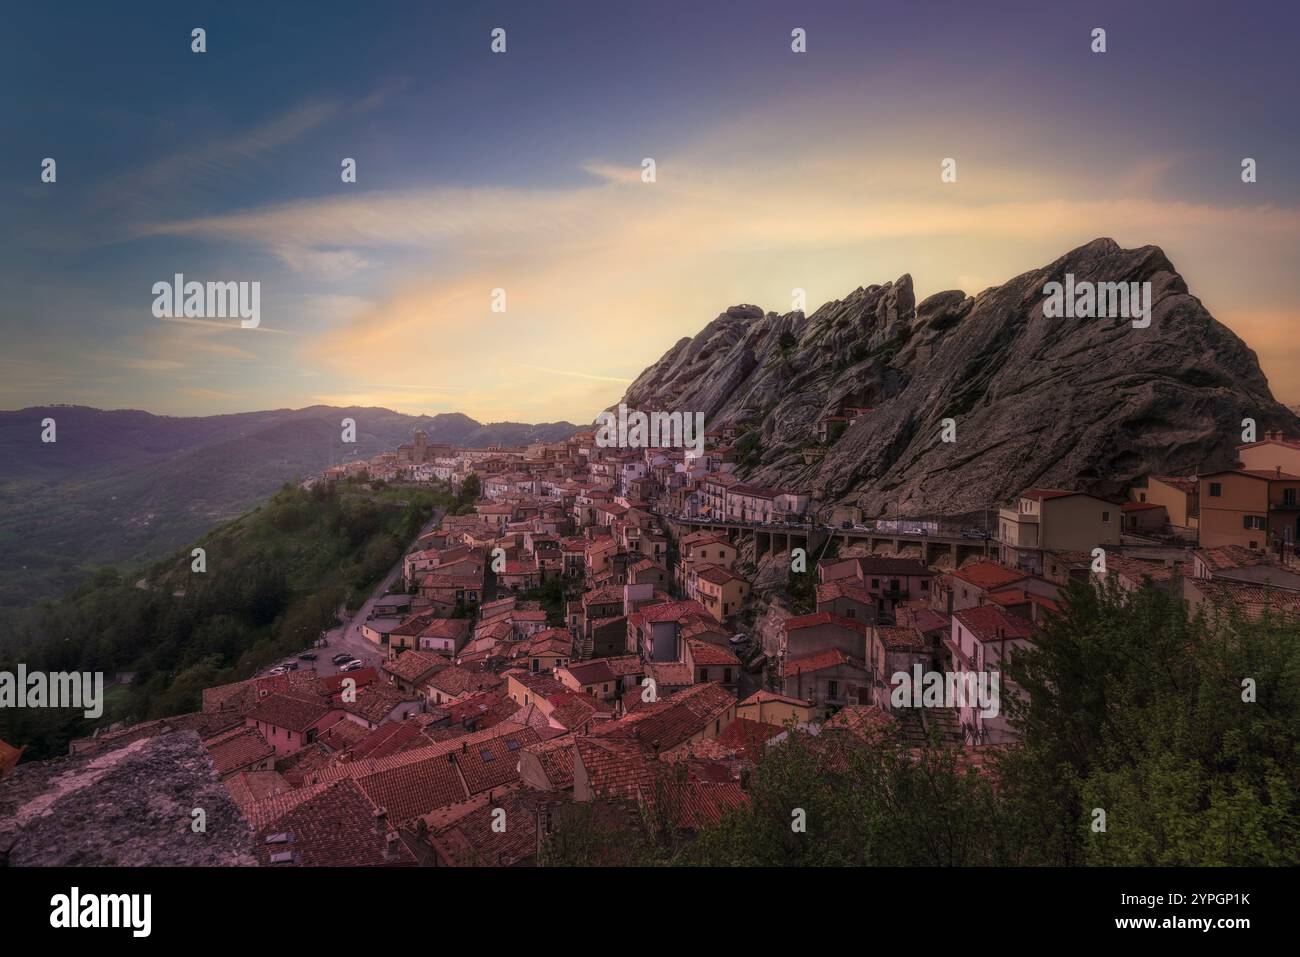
(1086, 404)
(125, 485)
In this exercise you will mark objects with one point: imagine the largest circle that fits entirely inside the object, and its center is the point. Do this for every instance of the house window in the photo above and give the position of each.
(1105, 516)
(1288, 496)
(1216, 489)
(832, 689)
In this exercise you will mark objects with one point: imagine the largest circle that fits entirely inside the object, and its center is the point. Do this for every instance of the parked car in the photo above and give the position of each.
(342, 658)
(974, 533)
(353, 665)
(276, 672)
(738, 639)
(308, 656)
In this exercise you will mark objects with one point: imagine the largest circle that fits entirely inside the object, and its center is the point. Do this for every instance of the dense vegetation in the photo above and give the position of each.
(1130, 706)
(275, 578)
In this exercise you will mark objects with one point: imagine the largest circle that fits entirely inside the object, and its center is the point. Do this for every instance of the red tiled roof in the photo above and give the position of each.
(572, 710)
(332, 826)
(289, 711)
(1041, 494)
(556, 758)
(707, 653)
(494, 762)
(237, 748)
(819, 660)
(991, 623)
(615, 767)
(333, 684)
(375, 702)
(670, 611)
(595, 671)
(412, 665)
(670, 721)
(988, 576)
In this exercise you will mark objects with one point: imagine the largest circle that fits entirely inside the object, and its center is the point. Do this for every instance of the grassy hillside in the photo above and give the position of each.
(275, 578)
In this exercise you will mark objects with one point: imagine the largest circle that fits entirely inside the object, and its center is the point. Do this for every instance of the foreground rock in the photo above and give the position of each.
(126, 807)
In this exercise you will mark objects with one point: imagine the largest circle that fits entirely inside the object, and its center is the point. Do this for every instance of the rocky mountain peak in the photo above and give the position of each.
(1092, 404)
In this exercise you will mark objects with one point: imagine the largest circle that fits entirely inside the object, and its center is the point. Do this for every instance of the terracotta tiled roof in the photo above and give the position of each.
(670, 674)
(992, 623)
(707, 653)
(456, 681)
(237, 748)
(831, 658)
(342, 735)
(1252, 597)
(988, 576)
(556, 758)
(391, 737)
(246, 788)
(1041, 494)
(616, 767)
(623, 665)
(592, 672)
(899, 638)
(765, 697)
(1188, 486)
(746, 737)
(670, 611)
(696, 805)
(334, 827)
(493, 762)
(573, 711)
(374, 703)
(716, 574)
(333, 684)
(670, 721)
(1231, 556)
(289, 711)
(471, 840)
(866, 722)
(412, 665)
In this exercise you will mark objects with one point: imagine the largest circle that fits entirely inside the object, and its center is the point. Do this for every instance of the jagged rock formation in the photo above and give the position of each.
(1087, 404)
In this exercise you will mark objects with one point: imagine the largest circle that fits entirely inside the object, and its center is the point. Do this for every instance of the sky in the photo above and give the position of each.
(522, 171)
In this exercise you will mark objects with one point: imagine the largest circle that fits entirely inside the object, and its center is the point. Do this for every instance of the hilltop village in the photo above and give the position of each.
(629, 629)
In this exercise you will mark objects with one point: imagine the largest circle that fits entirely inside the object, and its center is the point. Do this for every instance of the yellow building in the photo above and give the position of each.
(772, 708)
(718, 589)
(1253, 508)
